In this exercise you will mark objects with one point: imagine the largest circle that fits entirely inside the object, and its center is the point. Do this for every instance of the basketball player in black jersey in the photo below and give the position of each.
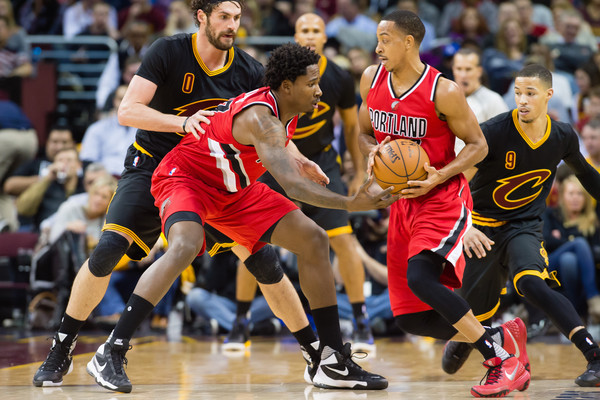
(314, 136)
(179, 78)
(509, 191)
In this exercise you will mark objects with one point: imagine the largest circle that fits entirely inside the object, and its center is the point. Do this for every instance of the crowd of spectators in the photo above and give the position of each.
(479, 43)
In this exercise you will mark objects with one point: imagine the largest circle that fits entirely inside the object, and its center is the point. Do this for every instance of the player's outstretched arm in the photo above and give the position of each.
(258, 127)
(134, 111)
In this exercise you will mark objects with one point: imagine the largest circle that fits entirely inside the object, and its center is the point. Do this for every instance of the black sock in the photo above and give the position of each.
(586, 344)
(490, 349)
(243, 307)
(359, 309)
(305, 336)
(327, 321)
(70, 326)
(136, 310)
(496, 333)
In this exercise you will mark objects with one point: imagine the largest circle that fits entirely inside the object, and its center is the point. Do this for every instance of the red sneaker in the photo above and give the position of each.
(502, 378)
(515, 340)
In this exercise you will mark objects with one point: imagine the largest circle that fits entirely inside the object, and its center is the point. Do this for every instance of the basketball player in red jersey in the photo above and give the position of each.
(405, 98)
(180, 77)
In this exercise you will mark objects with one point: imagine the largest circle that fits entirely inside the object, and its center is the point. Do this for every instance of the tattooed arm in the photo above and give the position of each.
(256, 126)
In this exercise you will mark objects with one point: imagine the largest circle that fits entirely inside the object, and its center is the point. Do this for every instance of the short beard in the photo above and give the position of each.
(214, 40)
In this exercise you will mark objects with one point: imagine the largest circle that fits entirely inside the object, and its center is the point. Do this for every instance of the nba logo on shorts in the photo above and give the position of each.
(136, 160)
(172, 171)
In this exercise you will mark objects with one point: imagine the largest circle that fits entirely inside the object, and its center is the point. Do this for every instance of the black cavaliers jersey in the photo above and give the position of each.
(186, 85)
(514, 179)
(315, 130)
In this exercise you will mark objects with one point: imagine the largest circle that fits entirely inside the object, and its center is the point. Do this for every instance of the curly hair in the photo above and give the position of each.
(209, 5)
(288, 61)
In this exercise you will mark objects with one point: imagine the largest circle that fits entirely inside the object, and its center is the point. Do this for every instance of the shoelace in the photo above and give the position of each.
(57, 357)
(492, 375)
(121, 360)
(349, 355)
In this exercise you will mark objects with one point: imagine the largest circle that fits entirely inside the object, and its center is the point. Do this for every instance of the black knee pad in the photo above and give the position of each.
(109, 251)
(265, 266)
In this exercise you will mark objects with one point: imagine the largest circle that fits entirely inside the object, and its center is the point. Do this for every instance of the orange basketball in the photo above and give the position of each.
(398, 162)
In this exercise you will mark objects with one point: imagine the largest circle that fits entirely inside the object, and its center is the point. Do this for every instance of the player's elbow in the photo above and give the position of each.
(123, 114)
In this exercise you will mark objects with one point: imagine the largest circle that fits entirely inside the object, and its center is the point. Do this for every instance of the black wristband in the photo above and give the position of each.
(185, 122)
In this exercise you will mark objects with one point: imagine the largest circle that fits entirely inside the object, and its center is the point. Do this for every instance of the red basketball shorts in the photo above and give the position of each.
(243, 216)
(436, 222)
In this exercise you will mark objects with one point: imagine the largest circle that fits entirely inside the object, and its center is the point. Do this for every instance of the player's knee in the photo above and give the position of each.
(109, 251)
(532, 287)
(265, 266)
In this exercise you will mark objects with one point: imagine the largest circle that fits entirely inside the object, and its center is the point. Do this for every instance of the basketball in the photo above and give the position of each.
(398, 162)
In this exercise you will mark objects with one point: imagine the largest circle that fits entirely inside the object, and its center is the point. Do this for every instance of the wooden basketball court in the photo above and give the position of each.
(272, 369)
(196, 368)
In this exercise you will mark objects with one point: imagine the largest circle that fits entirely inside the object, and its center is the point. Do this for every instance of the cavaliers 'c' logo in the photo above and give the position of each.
(529, 181)
(192, 108)
(308, 130)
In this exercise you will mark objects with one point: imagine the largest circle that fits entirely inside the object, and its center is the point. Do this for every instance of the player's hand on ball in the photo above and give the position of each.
(367, 199)
(193, 123)
(476, 242)
(374, 151)
(419, 188)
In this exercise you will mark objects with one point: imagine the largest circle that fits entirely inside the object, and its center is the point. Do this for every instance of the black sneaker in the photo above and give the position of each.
(591, 376)
(455, 355)
(312, 358)
(337, 371)
(58, 363)
(239, 337)
(107, 366)
(362, 337)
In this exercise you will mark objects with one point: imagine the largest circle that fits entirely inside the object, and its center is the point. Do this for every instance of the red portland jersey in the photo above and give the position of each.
(411, 115)
(217, 158)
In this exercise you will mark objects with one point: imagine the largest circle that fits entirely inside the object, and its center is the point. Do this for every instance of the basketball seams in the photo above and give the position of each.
(399, 150)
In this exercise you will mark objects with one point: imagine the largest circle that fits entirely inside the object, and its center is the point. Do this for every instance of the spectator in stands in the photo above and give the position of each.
(503, 61)
(591, 108)
(41, 17)
(536, 19)
(590, 11)
(470, 25)
(570, 235)
(351, 27)
(79, 16)
(16, 34)
(586, 77)
(453, 8)
(42, 199)
(28, 174)
(18, 144)
(142, 10)
(137, 39)
(359, 59)
(179, 20)
(42, 184)
(100, 25)
(485, 103)
(106, 141)
(590, 136)
(112, 77)
(572, 41)
(272, 20)
(14, 61)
